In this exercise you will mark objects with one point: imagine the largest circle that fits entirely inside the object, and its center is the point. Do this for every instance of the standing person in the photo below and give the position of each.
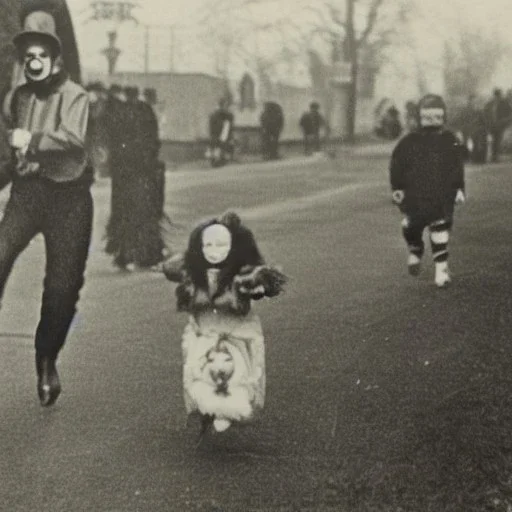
(271, 123)
(498, 114)
(134, 237)
(157, 167)
(96, 135)
(50, 191)
(311, 123)
(411, 116)
(116, 119)
(221, 124)
(471, 123)
(427, 179)
(218, 276)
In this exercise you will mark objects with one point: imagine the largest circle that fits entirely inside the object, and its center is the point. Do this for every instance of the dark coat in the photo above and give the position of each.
(243, 276)
(498, 114)
(311, 122)
(428, 166)
(272, 119)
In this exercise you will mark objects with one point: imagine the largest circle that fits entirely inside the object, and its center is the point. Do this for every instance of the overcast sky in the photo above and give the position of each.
(183, 47)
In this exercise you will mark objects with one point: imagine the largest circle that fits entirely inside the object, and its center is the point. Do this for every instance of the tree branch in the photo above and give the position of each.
(373, 15)
(336, 16)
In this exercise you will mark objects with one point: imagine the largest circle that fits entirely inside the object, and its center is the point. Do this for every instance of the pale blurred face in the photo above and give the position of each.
(38, 62)
(432, 117)
(216, 243)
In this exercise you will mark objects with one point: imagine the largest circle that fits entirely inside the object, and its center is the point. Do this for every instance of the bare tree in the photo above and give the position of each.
(471, 59)
(469, 49)
(352, 29)
(357, 28)
(261, 34)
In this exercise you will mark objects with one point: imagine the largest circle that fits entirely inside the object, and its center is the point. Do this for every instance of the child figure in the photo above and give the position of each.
(219, 275)
(427, 179)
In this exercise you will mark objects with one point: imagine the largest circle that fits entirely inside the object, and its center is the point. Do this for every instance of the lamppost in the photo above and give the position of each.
(111, 52)
(114, 12)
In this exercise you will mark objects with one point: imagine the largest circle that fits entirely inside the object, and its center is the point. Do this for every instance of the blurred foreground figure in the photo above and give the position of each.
(427, 179)
(219, 276)
(50, 192)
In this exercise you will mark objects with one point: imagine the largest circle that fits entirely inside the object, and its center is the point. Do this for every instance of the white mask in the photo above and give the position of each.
(38, 62)
(432, 117)
(216, 243)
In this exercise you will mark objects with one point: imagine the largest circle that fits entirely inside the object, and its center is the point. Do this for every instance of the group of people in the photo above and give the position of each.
(222, 269)
(124, 125)
(482, 128)
(312, 123)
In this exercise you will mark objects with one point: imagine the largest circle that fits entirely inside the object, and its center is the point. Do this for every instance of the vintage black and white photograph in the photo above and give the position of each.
(255, 255)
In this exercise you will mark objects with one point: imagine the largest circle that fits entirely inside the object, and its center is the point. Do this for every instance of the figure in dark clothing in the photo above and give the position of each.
(50, 192)
(116, 117)
(411, 116)
(221, 126)
(471, 124)
(272, 123)
(96, 129)
(391, 127)
(151, 120)
(311, 123)
(427, 179)
(133, 233)
(498, 114)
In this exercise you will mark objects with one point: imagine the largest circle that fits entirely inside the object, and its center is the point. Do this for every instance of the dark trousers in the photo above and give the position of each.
(412, 230)
(270, 143)
(62, 213)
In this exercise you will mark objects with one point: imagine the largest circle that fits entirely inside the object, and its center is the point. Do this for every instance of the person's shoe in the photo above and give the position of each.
(48, 383)
(413, 264)
(221, 425)
(442, 276)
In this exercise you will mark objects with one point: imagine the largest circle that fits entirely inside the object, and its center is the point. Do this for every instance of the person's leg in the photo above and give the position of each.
(439, 237)
(497, 140)
(307, 150)
(265, 145)
(316, 142)
(17, 227)
(412, 231)
(67, 231)
(274, 148)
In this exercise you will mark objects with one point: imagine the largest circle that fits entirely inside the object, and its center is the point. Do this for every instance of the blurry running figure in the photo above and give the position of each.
(221, 135)
(50, 192)
(427, 179)
(311, 123)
